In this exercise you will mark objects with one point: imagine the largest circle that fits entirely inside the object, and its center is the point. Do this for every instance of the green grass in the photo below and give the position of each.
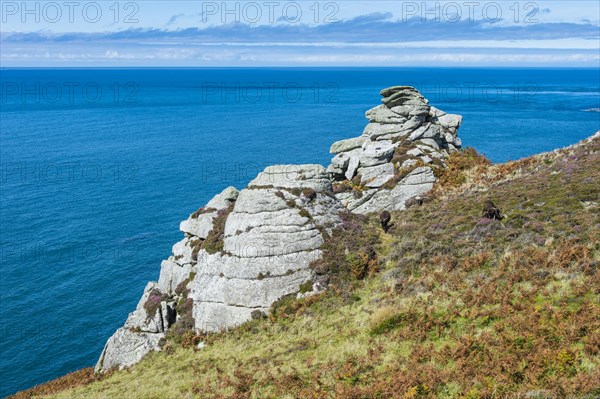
(446, 305)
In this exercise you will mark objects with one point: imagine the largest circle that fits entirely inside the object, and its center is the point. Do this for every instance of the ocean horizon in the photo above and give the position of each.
(99, 166)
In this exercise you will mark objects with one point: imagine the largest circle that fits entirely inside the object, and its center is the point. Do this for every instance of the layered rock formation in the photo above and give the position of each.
(246, 249)
(390, 162)
(240, 253)
(270, 238)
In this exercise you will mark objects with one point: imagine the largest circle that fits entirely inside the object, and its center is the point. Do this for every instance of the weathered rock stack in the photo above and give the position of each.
(246, 249)
(388, 164)
(270, 238)
(164, 302)
(240, 253)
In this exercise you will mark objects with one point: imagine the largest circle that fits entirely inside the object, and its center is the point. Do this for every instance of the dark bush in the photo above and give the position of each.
(309, 193)
(349, 252)
(304, 213)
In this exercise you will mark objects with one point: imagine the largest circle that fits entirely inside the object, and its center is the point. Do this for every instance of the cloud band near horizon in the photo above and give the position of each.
(367, 40)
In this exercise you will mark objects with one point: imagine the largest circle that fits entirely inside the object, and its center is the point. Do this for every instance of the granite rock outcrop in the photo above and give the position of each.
(244, 250)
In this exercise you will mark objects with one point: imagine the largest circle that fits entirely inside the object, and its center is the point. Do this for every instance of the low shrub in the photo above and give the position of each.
(153, 302)
(304, 213)
(214, 240)
(201, 211)
(185, 323)
(289, 306)
(306, 287)
(181, 288)
(309, 193)
(460, 165)
(196, 245)
(342, 187)
(360, 263)
(386, 319)
(349, 252)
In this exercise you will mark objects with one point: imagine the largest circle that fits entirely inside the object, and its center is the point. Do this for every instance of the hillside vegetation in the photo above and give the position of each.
(447, 304)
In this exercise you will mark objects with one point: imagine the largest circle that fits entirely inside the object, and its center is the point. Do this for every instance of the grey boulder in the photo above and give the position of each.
(201, 224)
(347, 145)
(125, 348)
(376, 176)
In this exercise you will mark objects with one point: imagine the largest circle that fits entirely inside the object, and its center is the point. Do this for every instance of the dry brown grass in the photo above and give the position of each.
(69, 381)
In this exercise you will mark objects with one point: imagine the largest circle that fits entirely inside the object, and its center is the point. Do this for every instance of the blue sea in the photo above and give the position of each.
(100, 166)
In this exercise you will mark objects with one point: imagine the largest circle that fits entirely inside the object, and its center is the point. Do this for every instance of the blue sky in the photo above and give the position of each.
(300, 33)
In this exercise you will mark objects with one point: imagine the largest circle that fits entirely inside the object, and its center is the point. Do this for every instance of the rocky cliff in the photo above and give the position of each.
(246, 249)
(387, 164)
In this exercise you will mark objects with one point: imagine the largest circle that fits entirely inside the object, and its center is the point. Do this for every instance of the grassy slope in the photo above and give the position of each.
(460, 306)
